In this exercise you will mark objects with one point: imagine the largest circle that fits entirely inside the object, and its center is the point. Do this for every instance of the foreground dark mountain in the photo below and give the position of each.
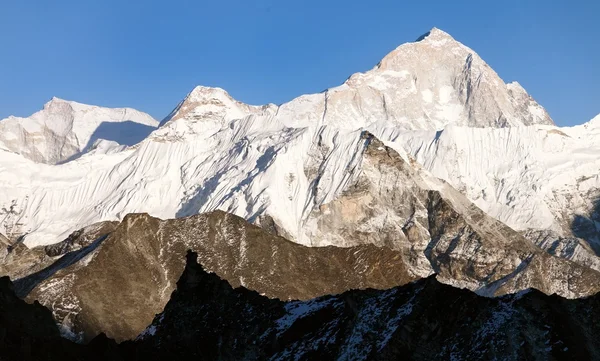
(207, 319)
(117, 283)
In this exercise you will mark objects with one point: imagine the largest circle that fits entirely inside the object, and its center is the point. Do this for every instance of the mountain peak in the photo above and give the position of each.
(203, 93)
(435, 34)
(435, 42)
(55, 102)
(65, 107)
(63, 129)
(204, 102)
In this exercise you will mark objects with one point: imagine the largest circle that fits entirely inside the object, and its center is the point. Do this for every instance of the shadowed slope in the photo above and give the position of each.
(207, 319)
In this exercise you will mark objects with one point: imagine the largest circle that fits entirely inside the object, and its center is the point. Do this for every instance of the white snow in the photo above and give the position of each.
(526, 177)
(214, 152)
(63, 129)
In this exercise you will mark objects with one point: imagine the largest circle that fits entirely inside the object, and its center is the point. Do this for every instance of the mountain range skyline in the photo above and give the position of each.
(265, 52)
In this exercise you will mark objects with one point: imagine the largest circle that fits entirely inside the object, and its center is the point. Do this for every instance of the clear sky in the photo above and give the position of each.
(149, 54)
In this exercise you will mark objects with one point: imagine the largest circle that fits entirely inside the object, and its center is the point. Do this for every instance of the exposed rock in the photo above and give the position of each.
(28, 332)
(424, 320)
(80, 238)
(207, 319)
(538, 178)
(16, 260)
(390, 201)
(95, 291)
(19, 262)
(128, 277)
(213, 152)
(386, 201)
(571, 248)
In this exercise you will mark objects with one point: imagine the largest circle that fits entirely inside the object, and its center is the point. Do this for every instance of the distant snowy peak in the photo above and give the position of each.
(206, 109)
(594, 123)
(205, 103)
(446, 82)
(424, 85)
(63, 129)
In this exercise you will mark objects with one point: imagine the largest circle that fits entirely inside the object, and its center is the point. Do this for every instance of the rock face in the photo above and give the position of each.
(117, 283)
(126, 278)
(211, 320)
(381, 198)
(64, 129)
(329, 172)
(391, 202)
(27, 332)
(206, 318)
(28, 265)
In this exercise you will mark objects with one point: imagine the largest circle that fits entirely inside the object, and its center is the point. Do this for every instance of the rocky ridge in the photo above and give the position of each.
(211, 320)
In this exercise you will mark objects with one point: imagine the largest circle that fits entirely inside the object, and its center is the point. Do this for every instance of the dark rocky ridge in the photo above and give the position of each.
(18, 262)
(207, 319)
(128, 277)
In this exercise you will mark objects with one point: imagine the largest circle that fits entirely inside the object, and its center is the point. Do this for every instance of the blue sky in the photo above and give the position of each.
(149, 54)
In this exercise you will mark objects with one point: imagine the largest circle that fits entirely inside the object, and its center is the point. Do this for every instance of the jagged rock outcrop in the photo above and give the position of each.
(572, 248)
(211, 320)
(28, 331)
(206, 318)
(537, 178)
(22, 263)
(306, 170)
(390, 201)
(127, 277)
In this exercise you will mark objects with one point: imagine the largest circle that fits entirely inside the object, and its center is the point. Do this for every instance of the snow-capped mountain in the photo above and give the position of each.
(63, 129)
(213, 152)
(426, 84)
(312, 170)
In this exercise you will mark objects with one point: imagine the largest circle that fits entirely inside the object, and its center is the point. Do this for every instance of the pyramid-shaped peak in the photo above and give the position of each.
(435, 40)
(57, 103)
(435, 34)
(201, 93)
(56, 100)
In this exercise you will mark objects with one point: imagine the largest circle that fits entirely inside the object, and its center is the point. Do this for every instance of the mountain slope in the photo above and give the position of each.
(63, 129)
(414, 321)
(208, 319)
(535, 177)
(305, 171)
(143, 258)
(90, 290)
